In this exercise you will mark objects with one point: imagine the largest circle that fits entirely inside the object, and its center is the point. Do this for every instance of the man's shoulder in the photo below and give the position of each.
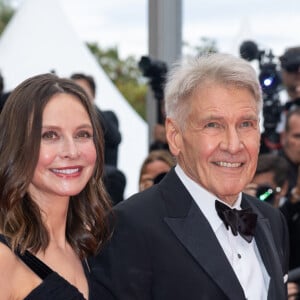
(142, 205)
(141, 200)
(140, 212)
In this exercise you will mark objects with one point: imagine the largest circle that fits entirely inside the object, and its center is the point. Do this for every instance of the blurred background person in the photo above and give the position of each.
(115, 183)
(291, 210)
(290, 74)
(108, 119)
(3, 95)
(290, 77)
(270, 182)
(52, 200)
(155, 167)
(290, 141)
(114, 179)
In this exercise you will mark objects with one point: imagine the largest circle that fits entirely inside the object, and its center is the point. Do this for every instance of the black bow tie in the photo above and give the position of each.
(240, 221)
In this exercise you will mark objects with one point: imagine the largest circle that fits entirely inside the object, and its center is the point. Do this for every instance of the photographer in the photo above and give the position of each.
(290, 76)
(290, 73)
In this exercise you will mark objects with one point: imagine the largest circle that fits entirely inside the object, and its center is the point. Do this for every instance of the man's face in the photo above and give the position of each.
(291, 81)
(290, 139)
(219, 146)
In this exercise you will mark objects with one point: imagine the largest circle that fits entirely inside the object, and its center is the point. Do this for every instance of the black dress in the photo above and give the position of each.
(53, 285)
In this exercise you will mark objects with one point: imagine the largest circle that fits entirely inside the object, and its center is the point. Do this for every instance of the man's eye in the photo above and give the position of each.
(247, 124)
(49, 135)
(212, 125)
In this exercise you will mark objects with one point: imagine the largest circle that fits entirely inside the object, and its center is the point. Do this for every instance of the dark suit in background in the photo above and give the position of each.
(112, 136)
(115, 182)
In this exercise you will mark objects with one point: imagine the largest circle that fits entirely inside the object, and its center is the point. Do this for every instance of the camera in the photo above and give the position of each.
(156, 71)
(266, 193)
(271, 84)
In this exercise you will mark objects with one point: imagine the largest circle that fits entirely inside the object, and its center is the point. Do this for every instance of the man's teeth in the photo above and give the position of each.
(66, 171)
(228, 164)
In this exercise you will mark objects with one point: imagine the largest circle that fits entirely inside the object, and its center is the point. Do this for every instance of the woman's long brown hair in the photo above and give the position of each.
(20, 138)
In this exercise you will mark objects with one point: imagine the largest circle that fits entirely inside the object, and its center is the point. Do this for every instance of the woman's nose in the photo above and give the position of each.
(69, 148)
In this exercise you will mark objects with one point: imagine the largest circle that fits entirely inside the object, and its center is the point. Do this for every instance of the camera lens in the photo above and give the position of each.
(265, 193)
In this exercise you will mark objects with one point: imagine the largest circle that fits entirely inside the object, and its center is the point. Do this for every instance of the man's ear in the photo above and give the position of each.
(173, 135)
(284, 188)
(282, 138)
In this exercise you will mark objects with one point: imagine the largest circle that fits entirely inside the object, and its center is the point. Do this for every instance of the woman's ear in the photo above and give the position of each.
(173, 135)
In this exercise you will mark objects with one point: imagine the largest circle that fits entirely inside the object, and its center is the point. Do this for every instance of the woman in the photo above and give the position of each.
(154, 167)
(52, 200)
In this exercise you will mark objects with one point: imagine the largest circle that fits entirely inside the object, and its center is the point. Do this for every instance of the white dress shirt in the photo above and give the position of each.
(244, 257)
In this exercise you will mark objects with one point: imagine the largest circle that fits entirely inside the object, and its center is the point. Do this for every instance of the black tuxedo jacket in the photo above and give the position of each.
(164, 248)
(111, 134)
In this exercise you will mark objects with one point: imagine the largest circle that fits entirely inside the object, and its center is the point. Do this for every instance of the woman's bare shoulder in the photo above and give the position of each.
(8, 263)
(16, 279)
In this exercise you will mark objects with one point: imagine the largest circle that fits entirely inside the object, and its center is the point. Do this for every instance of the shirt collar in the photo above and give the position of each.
(204, 199)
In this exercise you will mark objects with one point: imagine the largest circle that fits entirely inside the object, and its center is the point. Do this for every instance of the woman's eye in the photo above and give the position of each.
(84, 135)
(49, 135)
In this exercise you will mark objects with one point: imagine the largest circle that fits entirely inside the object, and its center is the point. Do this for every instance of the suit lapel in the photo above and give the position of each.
(267, 249)
(192, 229)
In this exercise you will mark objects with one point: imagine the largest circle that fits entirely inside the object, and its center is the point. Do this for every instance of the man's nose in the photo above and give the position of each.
(231, 141)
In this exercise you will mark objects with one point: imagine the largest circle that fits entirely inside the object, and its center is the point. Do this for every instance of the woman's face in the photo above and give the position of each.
(152, 170)
(67, 152)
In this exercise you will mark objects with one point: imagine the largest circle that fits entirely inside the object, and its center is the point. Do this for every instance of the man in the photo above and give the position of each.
(290, 75)
(290, 72)
(169, 241)
(290, 141)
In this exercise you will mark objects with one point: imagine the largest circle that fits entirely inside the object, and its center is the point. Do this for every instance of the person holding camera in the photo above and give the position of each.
(290, 73)
(290, 79)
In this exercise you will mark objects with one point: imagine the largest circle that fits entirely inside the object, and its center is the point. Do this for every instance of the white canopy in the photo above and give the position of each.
(39, 39)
